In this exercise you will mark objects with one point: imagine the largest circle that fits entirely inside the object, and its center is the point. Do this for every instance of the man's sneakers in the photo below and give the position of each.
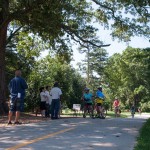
(9, 123)
(15, 123)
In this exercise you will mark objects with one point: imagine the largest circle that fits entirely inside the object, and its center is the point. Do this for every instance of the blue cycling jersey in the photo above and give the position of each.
(100, 94)
(88, 97)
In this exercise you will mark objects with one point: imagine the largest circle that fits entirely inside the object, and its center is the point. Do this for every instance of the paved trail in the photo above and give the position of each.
(73, 134)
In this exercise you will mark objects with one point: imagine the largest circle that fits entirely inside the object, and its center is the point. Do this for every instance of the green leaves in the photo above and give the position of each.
(127, 75)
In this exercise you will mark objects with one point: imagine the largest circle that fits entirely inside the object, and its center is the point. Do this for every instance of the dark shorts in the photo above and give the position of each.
(15, 105)
(87, 105)
(99, 104)
(43, 105)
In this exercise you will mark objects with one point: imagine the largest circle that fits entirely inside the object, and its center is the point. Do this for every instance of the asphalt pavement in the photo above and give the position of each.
(73, 134)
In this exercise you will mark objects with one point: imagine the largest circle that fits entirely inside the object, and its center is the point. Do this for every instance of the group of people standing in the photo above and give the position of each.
(50, 101)
(88, 102)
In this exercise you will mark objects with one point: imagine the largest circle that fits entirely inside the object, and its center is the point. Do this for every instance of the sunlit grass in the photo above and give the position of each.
(143, 140)
(110, 114)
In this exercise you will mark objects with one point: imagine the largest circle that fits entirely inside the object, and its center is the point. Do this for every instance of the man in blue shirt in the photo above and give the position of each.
(17, 88)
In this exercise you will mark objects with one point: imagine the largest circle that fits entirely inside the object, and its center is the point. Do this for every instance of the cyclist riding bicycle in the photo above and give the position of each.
(116, 105)
(88, 102)
(132, 109)
(99, 102)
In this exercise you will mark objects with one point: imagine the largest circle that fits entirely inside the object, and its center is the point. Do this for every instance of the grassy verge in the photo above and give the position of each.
(110, 114)
(143, 141)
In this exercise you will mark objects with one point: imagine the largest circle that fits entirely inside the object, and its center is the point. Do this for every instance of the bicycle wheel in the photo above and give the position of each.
(104, 113)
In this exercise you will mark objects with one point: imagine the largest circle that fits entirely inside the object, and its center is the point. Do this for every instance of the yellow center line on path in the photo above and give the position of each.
(38, 139)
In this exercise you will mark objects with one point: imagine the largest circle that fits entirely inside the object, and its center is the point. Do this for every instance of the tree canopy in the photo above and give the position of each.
(127, 76)
(57, 22)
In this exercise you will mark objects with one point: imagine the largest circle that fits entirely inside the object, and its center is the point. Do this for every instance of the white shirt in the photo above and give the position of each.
(55, 93)
(43, 96)
(49, 98)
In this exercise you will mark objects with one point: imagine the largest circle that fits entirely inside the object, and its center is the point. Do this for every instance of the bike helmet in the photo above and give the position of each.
(86, 89)
(100, 88)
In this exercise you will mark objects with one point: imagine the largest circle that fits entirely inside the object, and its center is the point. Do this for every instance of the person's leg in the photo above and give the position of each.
(19, 104)
(115, 112)
(85, 110)
(10, 114)
(57, 108)
(12, 109)
(46, 113)
(91, 111)
(99, 111)
(118, 112)
(17, 116)
(52, 109)
(43, 113)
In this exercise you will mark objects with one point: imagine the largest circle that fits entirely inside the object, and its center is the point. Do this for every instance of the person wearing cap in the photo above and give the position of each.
(99, 102)
(88, 102)
(56, 98)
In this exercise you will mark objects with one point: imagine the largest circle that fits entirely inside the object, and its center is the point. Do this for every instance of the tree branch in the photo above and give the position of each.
(13, 34)
(74, 33)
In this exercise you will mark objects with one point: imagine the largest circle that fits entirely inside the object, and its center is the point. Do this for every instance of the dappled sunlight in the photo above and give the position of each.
(111, 128)
(104, 144)
(72, 133)
(130, 130)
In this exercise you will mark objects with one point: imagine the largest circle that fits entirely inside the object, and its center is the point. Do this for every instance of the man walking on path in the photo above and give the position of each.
(56, 97)
(17, 88)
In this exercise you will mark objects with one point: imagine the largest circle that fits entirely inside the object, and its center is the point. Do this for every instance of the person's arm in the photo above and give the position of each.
(60, 97)
(9, 86)
(60, 94)
(114, 104)
(24, 84)
(82, 98)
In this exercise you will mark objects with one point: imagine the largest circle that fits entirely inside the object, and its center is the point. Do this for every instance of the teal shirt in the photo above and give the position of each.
(88, 97)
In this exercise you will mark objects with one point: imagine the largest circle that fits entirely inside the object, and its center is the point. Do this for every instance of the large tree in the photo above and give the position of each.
(52, 19)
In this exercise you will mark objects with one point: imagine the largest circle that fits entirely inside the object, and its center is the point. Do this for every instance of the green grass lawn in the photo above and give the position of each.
(143, 141)
(110, 114)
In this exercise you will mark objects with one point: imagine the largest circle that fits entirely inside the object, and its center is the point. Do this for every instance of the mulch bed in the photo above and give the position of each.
(29, 118)
(24, 118)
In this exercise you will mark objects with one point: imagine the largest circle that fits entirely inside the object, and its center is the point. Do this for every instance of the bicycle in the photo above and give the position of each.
(100, 108)
(117, 111)
(133, 111)
(88, 110)
(132, 114)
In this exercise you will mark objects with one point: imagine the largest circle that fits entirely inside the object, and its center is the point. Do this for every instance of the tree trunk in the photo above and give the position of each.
(3, 33)
(3, 37)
